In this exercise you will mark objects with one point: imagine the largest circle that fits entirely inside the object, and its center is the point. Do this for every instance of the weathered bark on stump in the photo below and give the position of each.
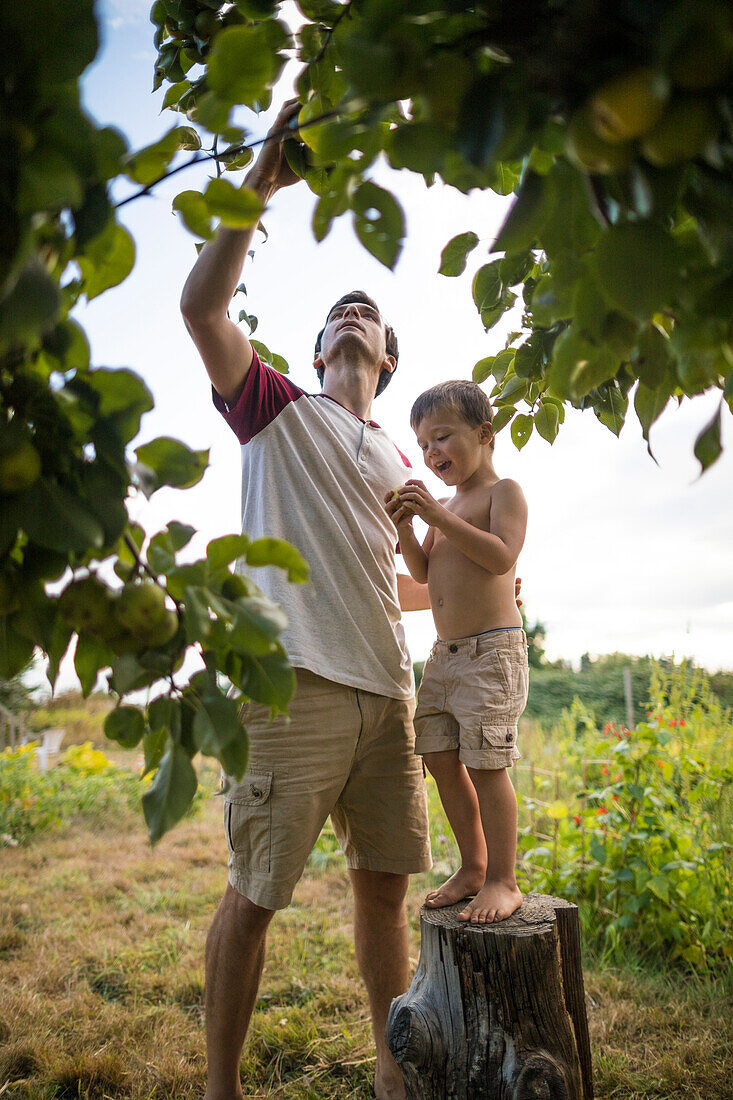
(496, 1011)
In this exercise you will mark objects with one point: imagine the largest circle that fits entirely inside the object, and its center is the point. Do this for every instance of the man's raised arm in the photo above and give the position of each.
(225, 350)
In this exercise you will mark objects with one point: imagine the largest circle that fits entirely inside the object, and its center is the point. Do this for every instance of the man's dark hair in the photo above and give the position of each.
(391, 339)
(465, 398)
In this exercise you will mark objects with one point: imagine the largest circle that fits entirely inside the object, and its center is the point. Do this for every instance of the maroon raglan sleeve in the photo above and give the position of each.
(266, 392)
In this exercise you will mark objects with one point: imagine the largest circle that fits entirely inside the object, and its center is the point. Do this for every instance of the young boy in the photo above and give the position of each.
(474, 685)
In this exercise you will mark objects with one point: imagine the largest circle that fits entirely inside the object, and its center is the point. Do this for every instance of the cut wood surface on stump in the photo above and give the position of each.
(496, 1011)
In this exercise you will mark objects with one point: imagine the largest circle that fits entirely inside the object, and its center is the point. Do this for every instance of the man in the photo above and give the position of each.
(315, 471)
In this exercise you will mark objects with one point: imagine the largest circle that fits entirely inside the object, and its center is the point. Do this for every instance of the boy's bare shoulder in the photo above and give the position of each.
(508, 489)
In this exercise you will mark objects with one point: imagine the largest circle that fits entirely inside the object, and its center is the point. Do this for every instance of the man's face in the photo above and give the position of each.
(354, 327)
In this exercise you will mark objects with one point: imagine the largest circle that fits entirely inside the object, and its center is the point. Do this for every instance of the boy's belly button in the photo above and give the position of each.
(440, 603)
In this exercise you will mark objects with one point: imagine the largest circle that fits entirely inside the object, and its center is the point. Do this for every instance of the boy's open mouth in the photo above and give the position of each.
(441, 467)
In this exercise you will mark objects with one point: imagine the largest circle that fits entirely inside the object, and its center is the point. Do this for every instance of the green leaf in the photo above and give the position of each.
(15, 650)
(107, 260)
(483, 368)
(89, 657)
(149, 164)
(269, 680)
(611, 410)
(48, 181)
(455, 254)
(194, 211)
(257, 622)
(271, 551)
(216, 723)
(418, 146)
(180, 534)
(126, 725)
(487, 286)
(649, 405)
(521, 430)
(238, 207)
(172, 462)
(523, 223)
(502, 417)
(637, 266)
(55, 518)
(241, 65)
(155, 743)
(547, 420)
(171, 793)
(379, 222)
(30, 309)
(513, 390)
(226, 549)
(708, 447)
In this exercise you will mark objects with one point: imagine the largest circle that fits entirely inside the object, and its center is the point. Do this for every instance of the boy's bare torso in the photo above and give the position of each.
(465, 598)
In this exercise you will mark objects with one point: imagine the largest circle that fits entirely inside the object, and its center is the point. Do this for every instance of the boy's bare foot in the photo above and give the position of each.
(460, 885)
(495, 901)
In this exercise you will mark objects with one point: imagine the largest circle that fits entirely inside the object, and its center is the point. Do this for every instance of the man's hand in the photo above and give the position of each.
(271, 170)
(414, 498)
(396, 510)
(517, 590)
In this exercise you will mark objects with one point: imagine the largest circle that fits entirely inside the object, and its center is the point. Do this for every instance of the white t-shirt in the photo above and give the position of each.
(316, 474)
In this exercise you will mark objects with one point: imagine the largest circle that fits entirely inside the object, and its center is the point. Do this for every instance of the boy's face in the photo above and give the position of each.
(452, 448)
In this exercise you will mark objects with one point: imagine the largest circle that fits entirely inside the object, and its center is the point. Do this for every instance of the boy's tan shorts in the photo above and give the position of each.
(344, 752)
(472, 692)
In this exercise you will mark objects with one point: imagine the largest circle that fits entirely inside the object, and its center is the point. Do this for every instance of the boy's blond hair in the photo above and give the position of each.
(465, 398)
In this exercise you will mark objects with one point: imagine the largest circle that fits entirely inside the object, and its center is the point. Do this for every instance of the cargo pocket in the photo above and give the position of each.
(248, 821)
(503, 737)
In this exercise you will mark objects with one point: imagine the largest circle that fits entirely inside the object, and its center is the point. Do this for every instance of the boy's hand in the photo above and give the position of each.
(414, 496)
(396, 510)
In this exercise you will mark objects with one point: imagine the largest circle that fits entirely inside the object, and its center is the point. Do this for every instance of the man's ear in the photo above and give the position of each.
(318, 363)
(389, 363)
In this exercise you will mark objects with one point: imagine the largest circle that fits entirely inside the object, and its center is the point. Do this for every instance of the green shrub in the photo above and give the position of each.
(84, 784)
(643, 842)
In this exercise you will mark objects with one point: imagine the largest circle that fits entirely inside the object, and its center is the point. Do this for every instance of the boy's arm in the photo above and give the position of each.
(415, 555)
(225, 350)
(495, 550)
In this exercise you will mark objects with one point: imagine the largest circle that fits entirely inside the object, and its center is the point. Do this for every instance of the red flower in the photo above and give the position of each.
(601, 810)
(648, 714)
(660, 763)
(576, 819)
(607, 727)
(615, 797)
(681, 722)
(672, 724)
(604, 770)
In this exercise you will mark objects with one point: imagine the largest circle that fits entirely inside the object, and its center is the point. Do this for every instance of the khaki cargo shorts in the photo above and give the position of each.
(344, 752)
(472, 692)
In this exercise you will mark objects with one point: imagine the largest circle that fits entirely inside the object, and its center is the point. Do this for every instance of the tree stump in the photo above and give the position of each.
(496, 1011)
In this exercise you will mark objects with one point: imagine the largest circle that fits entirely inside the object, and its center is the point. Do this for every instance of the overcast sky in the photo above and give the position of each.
(621, 554)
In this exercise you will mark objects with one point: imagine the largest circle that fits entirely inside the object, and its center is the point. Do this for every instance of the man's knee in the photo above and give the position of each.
(379, 889)
(242, 913)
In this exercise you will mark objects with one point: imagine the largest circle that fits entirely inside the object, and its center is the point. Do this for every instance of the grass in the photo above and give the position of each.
(101, 978)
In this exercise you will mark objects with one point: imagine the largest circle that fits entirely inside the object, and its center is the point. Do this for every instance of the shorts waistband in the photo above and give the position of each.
(511, 636)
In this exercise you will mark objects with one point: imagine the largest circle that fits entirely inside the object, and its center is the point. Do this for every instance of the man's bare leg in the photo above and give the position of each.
(382, 951)
(499, 896)
(460, 802)
(235, 955)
